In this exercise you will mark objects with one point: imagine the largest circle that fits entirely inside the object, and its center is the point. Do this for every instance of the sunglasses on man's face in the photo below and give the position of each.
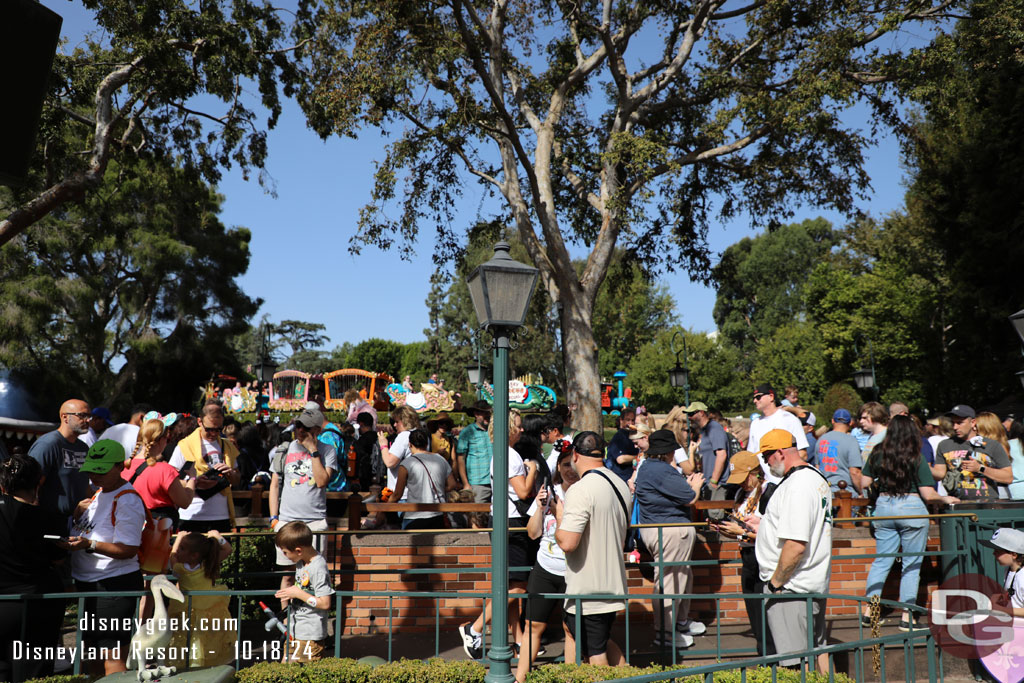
(757, 397)
(211, 430)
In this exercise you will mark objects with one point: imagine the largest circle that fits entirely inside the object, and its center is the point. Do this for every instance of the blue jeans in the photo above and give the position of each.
(890, 534)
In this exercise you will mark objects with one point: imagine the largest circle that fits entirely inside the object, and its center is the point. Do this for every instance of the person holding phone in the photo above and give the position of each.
(741, 525)
(27, 561)
(163, 488)
(214, 459)
(548, 573)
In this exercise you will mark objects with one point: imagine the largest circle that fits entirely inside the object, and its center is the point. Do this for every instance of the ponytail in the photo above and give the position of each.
(211, 559)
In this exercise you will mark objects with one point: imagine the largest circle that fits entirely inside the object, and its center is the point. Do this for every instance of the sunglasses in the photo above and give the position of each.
(757, 396)
(81, 416)
(211, 430)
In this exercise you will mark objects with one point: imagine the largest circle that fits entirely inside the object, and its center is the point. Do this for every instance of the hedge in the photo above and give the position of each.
(461, 671)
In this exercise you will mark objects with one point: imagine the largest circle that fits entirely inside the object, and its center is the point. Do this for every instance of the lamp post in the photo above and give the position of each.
(501, 291)
(865, 378)
(476, 371)
(264, 369)
(679, 376)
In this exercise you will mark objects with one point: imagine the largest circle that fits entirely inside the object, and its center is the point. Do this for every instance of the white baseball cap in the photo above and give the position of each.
(1004, 538)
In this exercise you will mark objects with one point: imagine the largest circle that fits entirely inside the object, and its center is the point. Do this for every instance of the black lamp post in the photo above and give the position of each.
(864, 378)
(679, 376)
(264, 369)
(501, 291)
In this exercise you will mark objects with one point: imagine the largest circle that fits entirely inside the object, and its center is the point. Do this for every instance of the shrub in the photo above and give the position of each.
(253, 554)
(81, 678)
(461, 671)
(585, 673)
(352, 671)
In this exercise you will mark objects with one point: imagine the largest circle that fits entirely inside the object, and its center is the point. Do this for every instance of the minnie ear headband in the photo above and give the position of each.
(168, 419)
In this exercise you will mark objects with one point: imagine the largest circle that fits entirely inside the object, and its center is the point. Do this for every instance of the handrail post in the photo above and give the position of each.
(256, 508)
(844, 499)
(355, 511)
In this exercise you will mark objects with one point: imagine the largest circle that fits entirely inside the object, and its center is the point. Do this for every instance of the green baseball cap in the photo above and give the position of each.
(102, 456)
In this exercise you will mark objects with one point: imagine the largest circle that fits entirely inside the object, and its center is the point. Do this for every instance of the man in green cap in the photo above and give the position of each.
(107, 532)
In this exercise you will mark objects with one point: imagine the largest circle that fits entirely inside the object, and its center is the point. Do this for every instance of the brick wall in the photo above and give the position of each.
(383, 561)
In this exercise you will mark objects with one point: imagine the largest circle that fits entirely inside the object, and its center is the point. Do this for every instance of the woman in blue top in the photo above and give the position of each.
(663, 495)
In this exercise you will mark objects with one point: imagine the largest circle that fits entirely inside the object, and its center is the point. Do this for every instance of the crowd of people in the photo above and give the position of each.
(75, 506)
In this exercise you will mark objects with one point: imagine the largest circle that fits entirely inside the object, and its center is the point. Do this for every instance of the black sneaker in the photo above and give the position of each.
(473, 645)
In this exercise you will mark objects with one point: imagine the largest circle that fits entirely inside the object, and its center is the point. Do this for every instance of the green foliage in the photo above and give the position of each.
(130, 294)
(839, 395)
(252, 553)
(81, 678)
(760, 281)
(445, 671)
(169, 79)
(536, 102)
(716, 377)
(587, 673)
(378, 355)
(792, 354)
(331, 670)
(630, 309)
(453, 337)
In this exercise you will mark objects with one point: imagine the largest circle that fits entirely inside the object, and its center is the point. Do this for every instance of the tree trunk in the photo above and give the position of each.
(580, 354)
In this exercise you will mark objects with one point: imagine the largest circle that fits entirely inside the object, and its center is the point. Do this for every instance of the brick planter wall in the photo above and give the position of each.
(387, 556)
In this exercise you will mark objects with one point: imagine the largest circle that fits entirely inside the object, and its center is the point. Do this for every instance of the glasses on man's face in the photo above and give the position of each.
(81, 416)
(757, 397)
(211, 430)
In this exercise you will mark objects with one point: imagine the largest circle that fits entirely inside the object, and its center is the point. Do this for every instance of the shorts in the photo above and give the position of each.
(787, 623)
(522, 551)
(435, 522)
(597, 628)
(304, 650)
(319, 540)
(481, 493)
(542, 581)
(117, 611)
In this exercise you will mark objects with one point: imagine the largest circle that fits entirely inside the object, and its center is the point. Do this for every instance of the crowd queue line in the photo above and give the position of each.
(102, 501)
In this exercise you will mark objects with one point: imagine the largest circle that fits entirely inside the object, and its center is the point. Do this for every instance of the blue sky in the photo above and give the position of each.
(300, 263)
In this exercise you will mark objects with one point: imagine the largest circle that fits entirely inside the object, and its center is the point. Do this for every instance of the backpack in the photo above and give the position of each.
(155, 544)
(380, 472)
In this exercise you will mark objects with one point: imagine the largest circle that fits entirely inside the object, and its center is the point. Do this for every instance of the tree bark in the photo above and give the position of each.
(580, 354)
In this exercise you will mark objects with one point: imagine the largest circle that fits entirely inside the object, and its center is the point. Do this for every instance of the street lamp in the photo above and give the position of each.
(501, 291)
(264, 369)
(679, 376)
(865, 378)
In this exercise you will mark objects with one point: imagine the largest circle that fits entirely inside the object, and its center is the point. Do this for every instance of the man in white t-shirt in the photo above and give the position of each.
(794, 547)
(774, 417)
(127, 433)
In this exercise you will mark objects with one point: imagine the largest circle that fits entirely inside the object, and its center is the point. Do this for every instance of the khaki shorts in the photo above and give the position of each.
(319, 540)
(304, 650)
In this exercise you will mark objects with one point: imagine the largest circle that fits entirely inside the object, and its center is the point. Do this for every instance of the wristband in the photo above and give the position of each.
(274, 517)
(222, 540)
(92, 546)
(311, 602)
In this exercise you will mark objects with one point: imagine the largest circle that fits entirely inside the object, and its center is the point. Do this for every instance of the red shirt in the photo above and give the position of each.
(153, 483)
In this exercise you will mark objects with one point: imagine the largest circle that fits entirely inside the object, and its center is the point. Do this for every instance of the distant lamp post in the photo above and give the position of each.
(679, 376)
(475, 373)
(264, 369)
(501, 290)
(864, 378)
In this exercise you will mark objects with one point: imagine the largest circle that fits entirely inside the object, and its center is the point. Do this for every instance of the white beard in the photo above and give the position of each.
(778, 470)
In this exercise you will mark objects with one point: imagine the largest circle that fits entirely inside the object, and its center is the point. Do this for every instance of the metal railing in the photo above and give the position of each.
(963, 525)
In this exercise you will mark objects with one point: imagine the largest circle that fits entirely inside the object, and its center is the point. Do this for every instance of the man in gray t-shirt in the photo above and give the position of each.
(302, 477)
(838, 453)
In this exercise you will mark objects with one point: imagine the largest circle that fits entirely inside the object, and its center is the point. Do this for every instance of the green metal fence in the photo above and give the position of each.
(959, 533)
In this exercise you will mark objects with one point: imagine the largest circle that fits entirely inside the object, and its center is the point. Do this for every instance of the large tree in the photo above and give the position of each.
(604, 124)
(136, 282)
(165, 77)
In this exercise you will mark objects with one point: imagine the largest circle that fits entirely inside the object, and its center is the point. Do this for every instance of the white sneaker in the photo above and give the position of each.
(691, 628)
(679, 640)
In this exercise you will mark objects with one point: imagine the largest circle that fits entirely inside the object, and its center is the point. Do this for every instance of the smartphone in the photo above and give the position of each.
(50, 537)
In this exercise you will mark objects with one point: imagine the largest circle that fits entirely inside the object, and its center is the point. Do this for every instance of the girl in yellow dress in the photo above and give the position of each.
(195, 560)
